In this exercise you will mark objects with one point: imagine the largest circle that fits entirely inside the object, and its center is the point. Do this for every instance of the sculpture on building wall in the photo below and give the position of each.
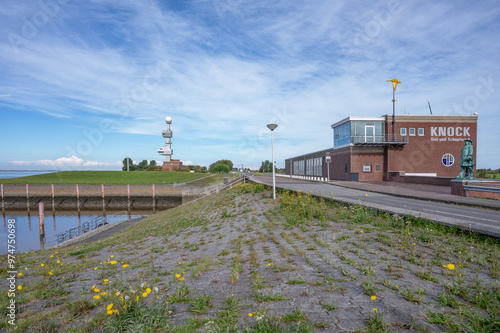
(467, 161)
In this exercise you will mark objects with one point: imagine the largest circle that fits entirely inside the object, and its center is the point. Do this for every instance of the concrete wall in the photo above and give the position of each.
(116, 199)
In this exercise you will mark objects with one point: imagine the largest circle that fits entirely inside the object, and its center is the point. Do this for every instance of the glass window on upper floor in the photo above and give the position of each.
(358, 132)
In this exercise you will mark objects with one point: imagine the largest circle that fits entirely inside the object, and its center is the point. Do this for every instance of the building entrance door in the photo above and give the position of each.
(369, 133)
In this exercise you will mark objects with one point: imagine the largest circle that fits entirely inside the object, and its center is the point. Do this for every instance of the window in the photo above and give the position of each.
(402, 131)
(367, 168)
(448, 160)
(378, 167)
(412, 131)
(421, 132)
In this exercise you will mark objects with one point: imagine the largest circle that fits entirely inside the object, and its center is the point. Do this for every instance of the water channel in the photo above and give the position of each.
(27, 231)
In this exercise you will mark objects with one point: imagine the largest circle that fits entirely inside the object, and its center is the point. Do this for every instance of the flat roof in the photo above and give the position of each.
(348, 119)
(411, 117)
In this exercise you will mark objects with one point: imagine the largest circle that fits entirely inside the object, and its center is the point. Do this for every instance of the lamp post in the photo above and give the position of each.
(272, 127)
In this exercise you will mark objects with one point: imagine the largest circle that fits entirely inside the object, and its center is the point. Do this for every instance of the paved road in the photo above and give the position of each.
(481, 220)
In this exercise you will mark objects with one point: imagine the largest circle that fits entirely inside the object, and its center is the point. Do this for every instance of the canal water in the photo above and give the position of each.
(14, 174)
(27, 231)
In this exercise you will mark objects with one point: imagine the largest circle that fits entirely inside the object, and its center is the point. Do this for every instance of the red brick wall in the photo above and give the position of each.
(423, 154)
(372, 159)
(339, 160)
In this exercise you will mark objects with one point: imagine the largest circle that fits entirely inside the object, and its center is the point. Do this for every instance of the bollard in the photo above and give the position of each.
(28, 198)
(53, 200)
(103, 204)
(154, 203)
(3, 203)
(41, 224)
(78, 199)
(128, 199)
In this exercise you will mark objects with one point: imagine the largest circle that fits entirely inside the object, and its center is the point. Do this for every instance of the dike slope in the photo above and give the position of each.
(237, 261)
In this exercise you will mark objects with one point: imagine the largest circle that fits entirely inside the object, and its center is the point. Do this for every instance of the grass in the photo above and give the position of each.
(108, 178)
(191, 269)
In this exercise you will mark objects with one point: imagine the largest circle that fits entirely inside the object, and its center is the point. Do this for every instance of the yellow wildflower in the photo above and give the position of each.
(450, 267)
(182, 278)
(97, 290)
(103, 293)
(373, 297)
(42, 265)
(177, 275)
(125, 266)
(106, 281)
(97, 296)
(375, 309)
(110, 305)
(58, 261)
(113, 262)
(19, 274)
(19, 287)
(250, 314)
(148, 290)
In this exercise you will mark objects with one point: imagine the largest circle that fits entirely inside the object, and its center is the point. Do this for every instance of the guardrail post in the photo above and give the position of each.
(41, 224)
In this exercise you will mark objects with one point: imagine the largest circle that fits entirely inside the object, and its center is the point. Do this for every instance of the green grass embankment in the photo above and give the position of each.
(107, 178)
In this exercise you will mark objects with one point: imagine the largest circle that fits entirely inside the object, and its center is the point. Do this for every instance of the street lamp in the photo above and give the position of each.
(272, 127)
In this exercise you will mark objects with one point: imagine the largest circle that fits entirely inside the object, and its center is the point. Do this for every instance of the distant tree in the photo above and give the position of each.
(143, 165)
(226, 162)
(203, 169)
(131, 165)
(152, 163)
(266, 167)
(220, 168)
(481, 173)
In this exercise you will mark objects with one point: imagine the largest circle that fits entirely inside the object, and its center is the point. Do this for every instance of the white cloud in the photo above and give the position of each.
(66, 162)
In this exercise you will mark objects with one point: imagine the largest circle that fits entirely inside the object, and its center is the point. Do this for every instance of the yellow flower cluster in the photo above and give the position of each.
(110, 310)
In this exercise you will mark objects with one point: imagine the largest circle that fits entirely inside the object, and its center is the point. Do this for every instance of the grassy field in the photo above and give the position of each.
(238, 261)
(107, 178)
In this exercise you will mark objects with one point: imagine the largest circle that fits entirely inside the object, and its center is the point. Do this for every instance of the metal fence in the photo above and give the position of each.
(85, 227)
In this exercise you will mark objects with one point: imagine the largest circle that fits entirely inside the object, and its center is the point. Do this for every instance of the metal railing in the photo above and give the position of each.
(85, 227)
(489, 189)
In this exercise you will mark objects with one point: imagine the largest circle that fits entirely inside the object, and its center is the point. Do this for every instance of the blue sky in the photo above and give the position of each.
(84, 84)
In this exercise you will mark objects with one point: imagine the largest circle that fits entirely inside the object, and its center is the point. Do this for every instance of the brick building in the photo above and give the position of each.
(384, 148)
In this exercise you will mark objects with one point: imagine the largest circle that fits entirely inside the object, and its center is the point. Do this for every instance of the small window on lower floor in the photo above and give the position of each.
(412, 131)
(367, 168)
(402, 131)
(421, 132)
(378, 167)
